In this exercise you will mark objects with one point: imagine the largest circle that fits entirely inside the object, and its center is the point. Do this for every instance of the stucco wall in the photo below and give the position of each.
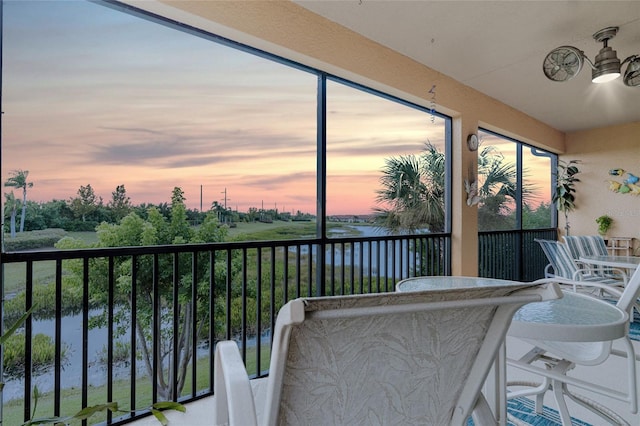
(599, 150)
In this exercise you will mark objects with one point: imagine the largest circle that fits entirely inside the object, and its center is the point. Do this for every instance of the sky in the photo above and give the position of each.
(95, 96)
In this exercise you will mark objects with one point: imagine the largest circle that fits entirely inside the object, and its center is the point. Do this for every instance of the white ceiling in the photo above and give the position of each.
(498, 47)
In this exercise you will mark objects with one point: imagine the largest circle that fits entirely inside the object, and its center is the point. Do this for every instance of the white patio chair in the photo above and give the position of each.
(553, 360)
(592, 245)
(561, 265)
(393, 358)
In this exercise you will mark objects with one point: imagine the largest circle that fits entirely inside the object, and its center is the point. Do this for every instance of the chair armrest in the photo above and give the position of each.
(604, 271)
(607, 288)
(548, 271)
(618, 272)
(234, 404)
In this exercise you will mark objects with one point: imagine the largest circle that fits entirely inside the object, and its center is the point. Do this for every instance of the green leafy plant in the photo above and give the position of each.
(564, 194)
(155, 409)
(604, 223)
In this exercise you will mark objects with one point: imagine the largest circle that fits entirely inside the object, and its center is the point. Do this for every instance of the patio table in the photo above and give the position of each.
(621, 262)
(573, 318)
(577, 329)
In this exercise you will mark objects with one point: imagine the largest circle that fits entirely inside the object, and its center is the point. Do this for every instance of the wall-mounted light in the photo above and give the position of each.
(564, 62)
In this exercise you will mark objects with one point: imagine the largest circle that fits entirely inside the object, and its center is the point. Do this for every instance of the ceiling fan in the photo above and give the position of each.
(565, 62)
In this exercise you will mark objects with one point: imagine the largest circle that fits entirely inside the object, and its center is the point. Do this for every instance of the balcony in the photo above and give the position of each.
(139, 308)
(241, 286)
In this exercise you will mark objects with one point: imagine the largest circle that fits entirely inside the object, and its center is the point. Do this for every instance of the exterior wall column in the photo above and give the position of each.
(464, 225)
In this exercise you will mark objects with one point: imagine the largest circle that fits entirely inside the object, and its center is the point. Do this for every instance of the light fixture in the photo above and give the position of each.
(607, 65)
(564, 62)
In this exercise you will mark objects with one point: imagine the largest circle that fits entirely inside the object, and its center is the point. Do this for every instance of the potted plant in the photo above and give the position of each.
(564, 196)
(604, 223)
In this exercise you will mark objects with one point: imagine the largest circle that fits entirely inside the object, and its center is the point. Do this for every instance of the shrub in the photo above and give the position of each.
(80, 226)
(42, 352)
(33, 239)
(121, 354)
(44, 307)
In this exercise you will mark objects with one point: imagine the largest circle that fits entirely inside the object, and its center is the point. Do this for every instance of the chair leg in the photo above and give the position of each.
(633, 377)
(608, 415)
(539, 403)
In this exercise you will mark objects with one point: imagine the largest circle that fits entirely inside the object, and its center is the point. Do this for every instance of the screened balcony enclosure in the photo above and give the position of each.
(169, 186)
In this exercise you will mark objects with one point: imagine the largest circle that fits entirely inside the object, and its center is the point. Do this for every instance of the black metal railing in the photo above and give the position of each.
(513, 255)
(155, 311)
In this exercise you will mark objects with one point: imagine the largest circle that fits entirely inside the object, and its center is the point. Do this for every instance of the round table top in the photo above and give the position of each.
(447, 282)
(573, 318)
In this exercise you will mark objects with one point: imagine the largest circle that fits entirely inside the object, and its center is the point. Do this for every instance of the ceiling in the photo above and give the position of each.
(497, 47)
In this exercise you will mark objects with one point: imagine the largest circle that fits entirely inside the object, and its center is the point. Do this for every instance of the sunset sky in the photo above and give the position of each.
(95, 96)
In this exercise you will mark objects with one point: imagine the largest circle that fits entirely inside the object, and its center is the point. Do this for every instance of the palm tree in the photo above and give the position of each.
(497, 177)
(11, 207)
(18, 179)
(413, 188)
(498, 190)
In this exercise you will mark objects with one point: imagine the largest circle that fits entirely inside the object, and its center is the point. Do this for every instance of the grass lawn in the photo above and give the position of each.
(272, 231)
(43, 272)
(283, 230)
(88, 236)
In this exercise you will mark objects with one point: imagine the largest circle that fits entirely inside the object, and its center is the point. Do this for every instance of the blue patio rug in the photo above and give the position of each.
(523, 409)
(634, 328)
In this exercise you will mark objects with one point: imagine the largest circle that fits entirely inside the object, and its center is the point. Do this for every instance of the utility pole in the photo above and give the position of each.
(225, 198)
(200, 198)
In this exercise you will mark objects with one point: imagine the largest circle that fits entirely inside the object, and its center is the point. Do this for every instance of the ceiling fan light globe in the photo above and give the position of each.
(604, 78)
(607, 66)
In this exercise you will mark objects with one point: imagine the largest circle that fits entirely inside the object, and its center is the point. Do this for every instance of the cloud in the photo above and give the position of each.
(164, 149)
(278, 181)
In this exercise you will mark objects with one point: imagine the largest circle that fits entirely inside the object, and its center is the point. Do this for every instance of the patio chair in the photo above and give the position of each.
(393, 358)
(562, 265)
(592, 245)
(553, 360)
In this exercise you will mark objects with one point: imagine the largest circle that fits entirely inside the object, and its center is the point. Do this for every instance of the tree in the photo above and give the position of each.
(538, 218)
(496, 176)
(413, 188)
(18, 179)
(85, 203)
(120, 203)
(11, 207)
(170, 287)
(180, 229)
